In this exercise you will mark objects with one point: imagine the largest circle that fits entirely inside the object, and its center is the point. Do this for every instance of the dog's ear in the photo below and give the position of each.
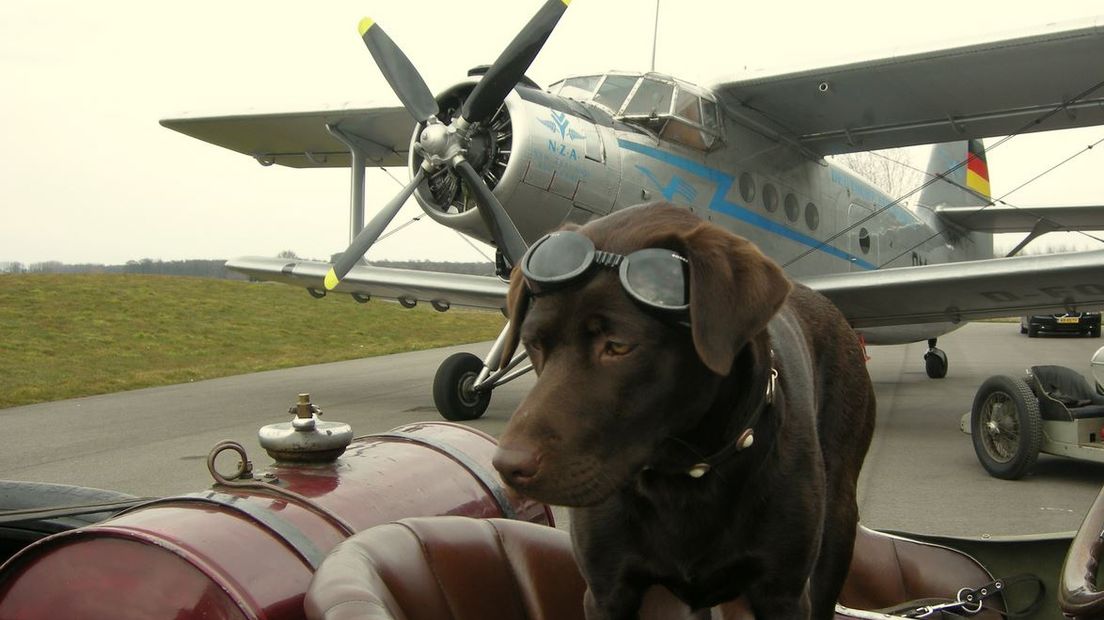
(517, 304)
(734, 291)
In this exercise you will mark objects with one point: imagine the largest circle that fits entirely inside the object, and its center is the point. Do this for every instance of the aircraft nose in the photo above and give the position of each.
(517, 464)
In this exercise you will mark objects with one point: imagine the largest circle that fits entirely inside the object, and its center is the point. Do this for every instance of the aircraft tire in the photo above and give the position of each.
(1006, 427)
(452, 393)
(935, 363)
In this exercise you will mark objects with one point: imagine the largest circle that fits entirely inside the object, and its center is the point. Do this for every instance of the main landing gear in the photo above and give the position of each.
(463, 383)
(935, 361)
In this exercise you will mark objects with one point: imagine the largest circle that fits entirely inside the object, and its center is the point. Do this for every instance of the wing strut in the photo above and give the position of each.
(357, 164)
(1041, 227)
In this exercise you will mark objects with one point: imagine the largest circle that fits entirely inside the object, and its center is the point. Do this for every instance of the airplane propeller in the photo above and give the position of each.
(399, 71)
(444, 145)
(368, 235)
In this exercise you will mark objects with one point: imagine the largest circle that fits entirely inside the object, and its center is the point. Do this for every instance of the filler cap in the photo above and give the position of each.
(306, 438)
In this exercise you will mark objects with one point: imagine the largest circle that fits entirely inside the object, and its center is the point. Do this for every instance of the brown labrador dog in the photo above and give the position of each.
(715, 454)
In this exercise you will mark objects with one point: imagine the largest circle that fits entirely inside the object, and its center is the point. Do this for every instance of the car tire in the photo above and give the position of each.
(1095, 332)
(1006, 428)
(1032, 331)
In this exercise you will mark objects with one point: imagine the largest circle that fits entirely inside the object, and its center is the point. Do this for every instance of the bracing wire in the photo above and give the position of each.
(943, 175)
(1002, 200)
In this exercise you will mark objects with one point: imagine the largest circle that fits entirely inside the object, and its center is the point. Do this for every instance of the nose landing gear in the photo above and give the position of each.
(935, 361)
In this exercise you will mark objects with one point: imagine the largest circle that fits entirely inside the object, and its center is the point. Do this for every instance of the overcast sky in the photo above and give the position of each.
(88, 175)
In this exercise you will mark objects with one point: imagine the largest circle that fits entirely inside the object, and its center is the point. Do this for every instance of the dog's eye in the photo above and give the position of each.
(617, 348)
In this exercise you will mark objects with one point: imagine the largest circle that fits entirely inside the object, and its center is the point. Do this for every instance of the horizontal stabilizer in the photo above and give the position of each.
(1005, 219)
(380, 282)
(301, 140)
(955, 292)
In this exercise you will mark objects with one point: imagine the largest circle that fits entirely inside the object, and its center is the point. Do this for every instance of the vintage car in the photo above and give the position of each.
(412, 523)
(1084, 323)
(1051, 409)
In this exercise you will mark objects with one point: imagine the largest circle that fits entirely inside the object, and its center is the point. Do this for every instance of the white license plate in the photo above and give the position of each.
(1068, 319)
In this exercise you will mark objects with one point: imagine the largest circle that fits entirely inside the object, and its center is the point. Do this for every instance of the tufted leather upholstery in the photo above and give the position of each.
(465, 569)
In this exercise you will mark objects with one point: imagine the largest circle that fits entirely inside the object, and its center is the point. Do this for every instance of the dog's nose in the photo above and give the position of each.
(517, 465)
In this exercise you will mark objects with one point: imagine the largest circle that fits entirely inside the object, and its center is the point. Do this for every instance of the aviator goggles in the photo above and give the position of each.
(653, 277)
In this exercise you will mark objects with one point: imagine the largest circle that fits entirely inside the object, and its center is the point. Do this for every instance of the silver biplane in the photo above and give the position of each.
(498, 157)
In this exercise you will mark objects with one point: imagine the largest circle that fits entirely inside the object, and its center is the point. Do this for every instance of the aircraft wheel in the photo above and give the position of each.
(935, 363)
(452, 388)
(1006, 427)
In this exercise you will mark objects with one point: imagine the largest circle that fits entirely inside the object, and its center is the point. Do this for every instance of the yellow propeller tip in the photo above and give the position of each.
(367, 23)
(566, 2)
(331, 280)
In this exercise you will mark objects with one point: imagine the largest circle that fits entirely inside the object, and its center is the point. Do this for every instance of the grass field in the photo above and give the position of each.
(69, 335)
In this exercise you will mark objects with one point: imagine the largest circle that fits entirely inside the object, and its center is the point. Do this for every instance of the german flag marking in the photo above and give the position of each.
(977, 175)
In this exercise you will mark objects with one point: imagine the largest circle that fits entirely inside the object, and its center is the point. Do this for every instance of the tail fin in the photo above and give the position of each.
(967, 185)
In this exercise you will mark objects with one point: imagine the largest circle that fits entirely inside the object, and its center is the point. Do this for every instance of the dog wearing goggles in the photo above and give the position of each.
(704, 418)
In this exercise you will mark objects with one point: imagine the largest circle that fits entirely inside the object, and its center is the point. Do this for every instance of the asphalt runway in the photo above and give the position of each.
(921, 474)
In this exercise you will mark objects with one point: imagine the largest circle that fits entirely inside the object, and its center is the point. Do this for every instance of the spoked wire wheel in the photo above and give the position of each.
(1006, 427)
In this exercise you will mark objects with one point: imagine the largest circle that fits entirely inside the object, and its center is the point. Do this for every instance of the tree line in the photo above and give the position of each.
(216, 268)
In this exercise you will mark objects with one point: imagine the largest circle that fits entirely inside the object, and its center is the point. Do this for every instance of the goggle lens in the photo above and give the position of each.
(559, 257)
(656, 277)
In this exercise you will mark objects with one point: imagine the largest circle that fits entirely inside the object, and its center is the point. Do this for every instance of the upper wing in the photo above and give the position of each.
(991, 89)
(446, 289)
(1005, 219)
(968, 290)
(300, 139)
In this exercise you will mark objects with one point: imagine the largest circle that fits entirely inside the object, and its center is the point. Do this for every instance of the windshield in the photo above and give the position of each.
(674, 110)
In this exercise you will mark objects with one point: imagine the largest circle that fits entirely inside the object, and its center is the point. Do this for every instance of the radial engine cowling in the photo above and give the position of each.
(545, 162)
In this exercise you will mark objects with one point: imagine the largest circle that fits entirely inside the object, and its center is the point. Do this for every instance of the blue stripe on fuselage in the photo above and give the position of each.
(718, 203)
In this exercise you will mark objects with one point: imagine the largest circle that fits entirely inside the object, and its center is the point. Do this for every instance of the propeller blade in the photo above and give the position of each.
(368, 235)
(399, 71)
(512, 64)
(506, 235)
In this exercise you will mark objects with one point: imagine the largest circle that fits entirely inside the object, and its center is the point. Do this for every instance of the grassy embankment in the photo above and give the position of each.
(69, 335)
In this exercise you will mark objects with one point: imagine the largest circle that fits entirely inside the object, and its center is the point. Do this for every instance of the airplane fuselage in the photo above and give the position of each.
(570, 161)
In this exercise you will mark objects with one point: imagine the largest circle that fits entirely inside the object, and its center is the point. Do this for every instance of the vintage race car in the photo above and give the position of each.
(413, 524)
(1051, 409)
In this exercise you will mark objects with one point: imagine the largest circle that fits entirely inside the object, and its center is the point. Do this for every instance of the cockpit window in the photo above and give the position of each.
(686, 106)
(666, 107)
(614, 90)
(652, 98)
(709, 116)
(580, 88)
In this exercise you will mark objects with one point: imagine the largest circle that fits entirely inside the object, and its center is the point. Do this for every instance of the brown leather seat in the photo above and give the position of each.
(460, 568)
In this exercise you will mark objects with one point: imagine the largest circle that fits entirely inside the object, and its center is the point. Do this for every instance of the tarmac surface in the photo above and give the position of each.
(921, 474)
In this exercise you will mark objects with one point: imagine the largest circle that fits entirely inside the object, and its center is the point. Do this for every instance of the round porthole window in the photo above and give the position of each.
(792, 210)
(864, 240)
(812, 216)
(747, 187)
(770, 198)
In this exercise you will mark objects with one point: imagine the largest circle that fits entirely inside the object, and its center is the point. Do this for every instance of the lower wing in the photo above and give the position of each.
(965, 291)
(443, 290)
(950, 292)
